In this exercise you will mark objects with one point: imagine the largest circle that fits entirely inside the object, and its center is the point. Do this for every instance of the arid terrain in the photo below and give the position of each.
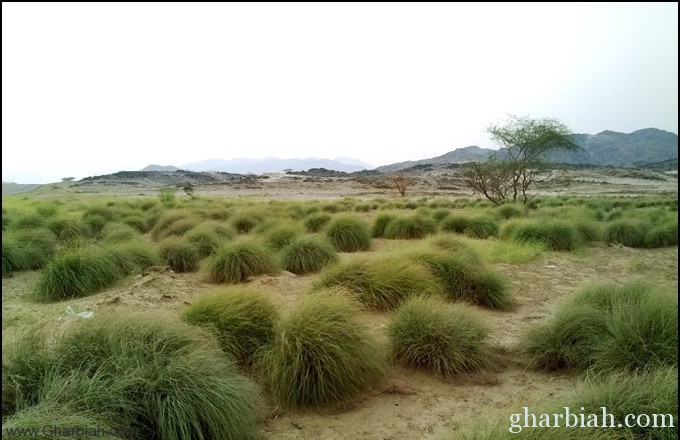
(412, 404)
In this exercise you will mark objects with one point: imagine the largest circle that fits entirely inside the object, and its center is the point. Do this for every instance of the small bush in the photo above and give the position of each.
(243, 319)
(445, 339)
(235, 262)
(180, 254)
(410, 227)
(380, 284)
(349, 234)
(321, 354)
(625, 232)
(316, 222)
(307, 254)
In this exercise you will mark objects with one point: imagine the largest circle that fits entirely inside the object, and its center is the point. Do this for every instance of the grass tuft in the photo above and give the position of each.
(236, 261)
(180, 254)
(349, 234)
(410, 227)
(307, 254)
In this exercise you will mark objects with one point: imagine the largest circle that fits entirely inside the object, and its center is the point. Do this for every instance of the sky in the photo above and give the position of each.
(95, 88)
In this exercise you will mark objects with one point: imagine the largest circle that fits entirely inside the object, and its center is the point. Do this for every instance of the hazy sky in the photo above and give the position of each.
(95, 88)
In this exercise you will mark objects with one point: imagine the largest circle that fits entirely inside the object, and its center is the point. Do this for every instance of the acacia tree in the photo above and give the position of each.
(401, 182)
(525, 142)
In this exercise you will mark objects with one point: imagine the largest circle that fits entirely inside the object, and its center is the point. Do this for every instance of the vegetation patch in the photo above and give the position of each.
(307, 254)
(349, 234)
(237, 261)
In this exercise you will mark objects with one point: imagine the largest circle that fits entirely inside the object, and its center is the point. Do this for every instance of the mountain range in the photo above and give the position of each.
(608, 148)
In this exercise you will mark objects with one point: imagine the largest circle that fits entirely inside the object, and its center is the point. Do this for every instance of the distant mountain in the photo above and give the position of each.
(460, 155)
(159, 168)
(609, 148)
(356, 162)
(272, 165)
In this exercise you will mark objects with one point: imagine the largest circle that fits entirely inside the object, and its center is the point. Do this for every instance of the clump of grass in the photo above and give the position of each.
(117, 232)
(455, 223)
(243, 318)
(445, 339)
(321, 354)
(245, 222)
(316, 222)
(380, 224)
(382, 283)
(556, 235)
(160, 378)
(410, 227)
(132, 256)
(663, 235)
(307, 254)
(237, 261)
(180, 254)
(28, 249)
(76, 272)
(441, 214)
(464, 278)
(204, 238)
(138, 222)
(605, 327)
(625, 232)
(281, 236)
(68, 227)
(510, 210)
(349, 234)
(481, 227)
(163, 226)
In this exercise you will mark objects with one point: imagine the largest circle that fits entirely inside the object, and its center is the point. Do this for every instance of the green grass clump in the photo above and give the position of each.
(663, 235)
(557, 235)
(76, 272)
(235, 262)
(27, 249)
(445, 339)
(68, 227)
(322, 354)
(380, 224)
(180, 254)
(455, 223)
(382, 283)
(243, 319)
(316, 222)
(160, 378)
(632, 327)
(281, 236)
(349, 234)
(625, 232)
(510, 210)
(137, 221)
(410, 227)
(307, 254)
(132, 256)
(244, 223)
(464, 278)
(481, 226)
(117, 232)
(204, 238)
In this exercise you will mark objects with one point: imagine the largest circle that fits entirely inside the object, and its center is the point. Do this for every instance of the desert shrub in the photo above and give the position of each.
(180, 254)
(509, 210)
(380, 224)
(160, 378)
(445, 339)
(349, 234)
(380, 284)
(307, 254)
(663, 235)
(243, 318)
(410, 227)
(76, 272)
(606, 327)
(625, 232)
(463, 278)
(115, 232)
(235, 262)
(322, 354)
(280, 236)
(316, 222)
(556, 235)
(204, 238)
